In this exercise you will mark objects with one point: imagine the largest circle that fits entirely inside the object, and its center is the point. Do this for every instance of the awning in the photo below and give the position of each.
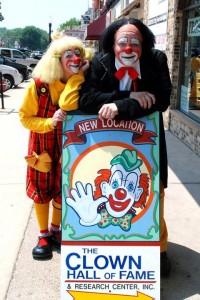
(133, 5)
(95, 29)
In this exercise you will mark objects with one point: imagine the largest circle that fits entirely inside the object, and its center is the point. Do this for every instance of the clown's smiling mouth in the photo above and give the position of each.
(129, 57)
(118, 205)
(74, 66)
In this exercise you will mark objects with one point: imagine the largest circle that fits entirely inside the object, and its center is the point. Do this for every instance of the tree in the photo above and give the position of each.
(29, 37)
(9, 36)
(33, 38)
(70, 24)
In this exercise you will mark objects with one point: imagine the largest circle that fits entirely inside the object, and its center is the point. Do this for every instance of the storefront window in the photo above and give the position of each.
(190, 83)
(190, 2)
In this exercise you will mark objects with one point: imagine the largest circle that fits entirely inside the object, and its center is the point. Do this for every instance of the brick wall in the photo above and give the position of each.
(178, 123)
(174, 35)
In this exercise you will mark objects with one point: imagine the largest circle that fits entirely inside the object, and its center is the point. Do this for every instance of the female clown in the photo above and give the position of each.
(54, 90)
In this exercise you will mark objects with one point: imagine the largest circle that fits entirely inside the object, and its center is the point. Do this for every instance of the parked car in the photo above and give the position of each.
(18, 57)
(11, 75)
(26, 52)
(37, 54)
(23, 70)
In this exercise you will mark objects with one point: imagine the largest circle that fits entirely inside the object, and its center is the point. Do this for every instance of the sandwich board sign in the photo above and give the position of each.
(110, 208)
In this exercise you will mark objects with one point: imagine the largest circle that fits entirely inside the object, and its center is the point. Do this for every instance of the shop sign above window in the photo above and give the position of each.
(86, 19)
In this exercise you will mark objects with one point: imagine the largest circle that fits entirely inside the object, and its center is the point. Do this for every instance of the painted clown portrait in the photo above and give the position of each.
(118, 192)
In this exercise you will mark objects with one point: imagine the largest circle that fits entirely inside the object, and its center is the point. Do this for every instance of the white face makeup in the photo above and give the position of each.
(122, 190)
(128, 45)
(127, 50)
(71, 60)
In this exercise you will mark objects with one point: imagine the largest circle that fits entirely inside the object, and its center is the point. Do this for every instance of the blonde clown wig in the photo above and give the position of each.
(49, 68)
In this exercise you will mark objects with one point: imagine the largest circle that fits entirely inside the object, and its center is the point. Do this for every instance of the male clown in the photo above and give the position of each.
(127, 80)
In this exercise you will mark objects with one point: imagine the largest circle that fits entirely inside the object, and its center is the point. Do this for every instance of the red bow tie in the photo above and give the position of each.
(122, 71)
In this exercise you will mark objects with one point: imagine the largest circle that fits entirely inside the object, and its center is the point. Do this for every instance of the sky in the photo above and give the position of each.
(39, 13)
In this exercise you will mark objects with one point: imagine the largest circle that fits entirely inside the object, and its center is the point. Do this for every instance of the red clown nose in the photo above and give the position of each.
(128, 50)
(77, 60)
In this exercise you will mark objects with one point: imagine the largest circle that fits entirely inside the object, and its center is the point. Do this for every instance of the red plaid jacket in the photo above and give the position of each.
(43, 187)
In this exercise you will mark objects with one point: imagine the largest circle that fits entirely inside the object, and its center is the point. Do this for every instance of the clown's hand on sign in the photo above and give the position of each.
(85, 205)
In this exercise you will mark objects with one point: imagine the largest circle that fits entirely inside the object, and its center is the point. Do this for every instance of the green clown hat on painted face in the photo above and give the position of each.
(128, 159)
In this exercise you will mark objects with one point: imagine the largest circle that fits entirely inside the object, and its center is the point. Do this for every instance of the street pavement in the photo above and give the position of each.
(23, 278)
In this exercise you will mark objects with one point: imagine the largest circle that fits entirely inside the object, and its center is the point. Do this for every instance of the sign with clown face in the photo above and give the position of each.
(110, 186)
(110, 179)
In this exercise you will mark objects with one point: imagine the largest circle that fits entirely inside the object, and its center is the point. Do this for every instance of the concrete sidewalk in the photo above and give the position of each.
(23, 278)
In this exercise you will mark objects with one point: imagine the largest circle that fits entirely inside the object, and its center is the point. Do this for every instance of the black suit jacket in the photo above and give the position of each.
(101, 87)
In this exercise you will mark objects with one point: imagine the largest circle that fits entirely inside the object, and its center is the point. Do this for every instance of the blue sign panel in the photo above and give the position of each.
(110, 186)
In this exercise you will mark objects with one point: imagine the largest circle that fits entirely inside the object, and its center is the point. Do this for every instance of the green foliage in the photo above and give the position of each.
(9, 36)
(33, 38)
(29, 37)
(70, 24)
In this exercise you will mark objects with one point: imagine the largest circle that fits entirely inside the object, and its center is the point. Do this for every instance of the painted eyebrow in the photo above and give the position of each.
(77, 51)
(122, 39)
(134, 40)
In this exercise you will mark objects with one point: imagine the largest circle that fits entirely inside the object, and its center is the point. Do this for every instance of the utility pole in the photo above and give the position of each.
(50, 29)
